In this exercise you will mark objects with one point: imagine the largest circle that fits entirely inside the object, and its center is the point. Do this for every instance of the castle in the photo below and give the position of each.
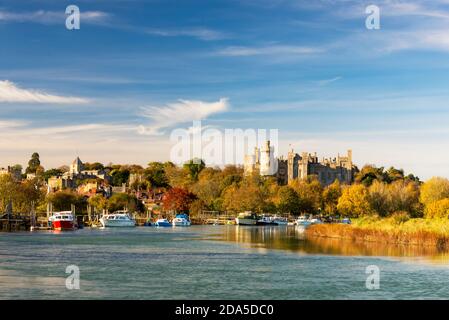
(76, 173)
(300, 166)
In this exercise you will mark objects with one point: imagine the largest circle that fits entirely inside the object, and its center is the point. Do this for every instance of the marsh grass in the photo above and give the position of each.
(393, 230)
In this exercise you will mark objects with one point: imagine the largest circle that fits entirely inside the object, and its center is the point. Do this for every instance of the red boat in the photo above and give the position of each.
(62, 221)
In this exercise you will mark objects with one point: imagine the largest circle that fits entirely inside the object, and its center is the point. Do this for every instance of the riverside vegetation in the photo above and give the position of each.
(384, 204)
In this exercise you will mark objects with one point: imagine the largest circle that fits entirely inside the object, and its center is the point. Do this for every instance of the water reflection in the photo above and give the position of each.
(294, 239)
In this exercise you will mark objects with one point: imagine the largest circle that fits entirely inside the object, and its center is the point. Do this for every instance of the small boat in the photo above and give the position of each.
(303, 221)
(181, 220)
(266, 221)
(117, 219)
(163, 223)
(62, 221)
(280, 221)
(246, 218)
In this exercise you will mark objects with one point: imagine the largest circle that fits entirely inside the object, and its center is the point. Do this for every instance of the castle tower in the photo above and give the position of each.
(267, 165)
(76, 167)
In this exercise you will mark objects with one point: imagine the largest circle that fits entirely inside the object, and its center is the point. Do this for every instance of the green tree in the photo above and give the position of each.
(120, 201)
(288, 200)
(155, 174)
(98, 202)
(63, 200)
(194, 167)
(33, 164)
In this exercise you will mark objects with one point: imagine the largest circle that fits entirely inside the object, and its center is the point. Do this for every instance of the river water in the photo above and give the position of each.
(213, 262)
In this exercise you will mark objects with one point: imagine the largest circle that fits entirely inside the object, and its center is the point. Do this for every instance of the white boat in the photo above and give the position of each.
(280, 221)
(303, 221)
(181, 220)
(117, 219)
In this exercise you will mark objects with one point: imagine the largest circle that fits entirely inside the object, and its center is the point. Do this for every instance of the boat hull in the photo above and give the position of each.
(117, 223)
(63, 225)
(245, 222)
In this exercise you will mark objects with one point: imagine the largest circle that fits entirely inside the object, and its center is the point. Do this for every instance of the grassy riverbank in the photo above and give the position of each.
(394, 230)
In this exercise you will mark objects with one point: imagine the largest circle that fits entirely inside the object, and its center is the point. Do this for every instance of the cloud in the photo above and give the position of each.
(328, 81)
(181, 112)
(241, 51)
(51, 17)
(10, 93)
(199, 33)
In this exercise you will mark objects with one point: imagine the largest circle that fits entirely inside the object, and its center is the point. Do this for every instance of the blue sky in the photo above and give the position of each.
(308, 68)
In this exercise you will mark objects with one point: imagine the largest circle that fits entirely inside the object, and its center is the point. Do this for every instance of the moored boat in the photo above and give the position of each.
(280, 221)
(181, 220)
(117, 219)
(246, 218)
(303, 221)
(163, 223)
(62, 221)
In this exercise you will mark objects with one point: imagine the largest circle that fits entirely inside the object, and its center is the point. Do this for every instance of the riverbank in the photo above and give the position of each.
(417, 232)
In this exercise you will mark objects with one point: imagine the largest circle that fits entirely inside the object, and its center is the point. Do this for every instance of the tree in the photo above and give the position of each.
(178, 200)
(194, 167)
(354, 202)
(155, 174)
(369, 174)
(20, 194)
(120, 201)
(33, 164)
(51, 173)
(379, 198)
(309, 191)
(93, 166)
(433, 190)
(98, 202)
(331, 194)
(120, 176)
(288, 200)
(63, 200)
(438, 209)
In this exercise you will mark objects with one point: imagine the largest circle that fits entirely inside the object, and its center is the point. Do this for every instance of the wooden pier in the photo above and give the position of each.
(15, 223)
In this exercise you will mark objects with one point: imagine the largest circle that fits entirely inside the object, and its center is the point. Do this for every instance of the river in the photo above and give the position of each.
(213, 262)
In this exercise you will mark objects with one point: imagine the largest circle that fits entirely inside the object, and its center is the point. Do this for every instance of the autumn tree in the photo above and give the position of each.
(178, 200)
(437, 209)
(434, 190)
(309, 191)
(331, 194)
(354, 201)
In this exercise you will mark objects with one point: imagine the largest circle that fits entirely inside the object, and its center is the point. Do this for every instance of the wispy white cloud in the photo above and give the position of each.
(11, 93)
(181, 112)
(242, 51)
(325, 82)
(199, 33)
(51, 17)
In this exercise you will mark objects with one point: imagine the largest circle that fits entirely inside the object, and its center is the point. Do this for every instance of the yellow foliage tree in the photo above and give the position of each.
(354, 201)
(437, 209)
(434, 190)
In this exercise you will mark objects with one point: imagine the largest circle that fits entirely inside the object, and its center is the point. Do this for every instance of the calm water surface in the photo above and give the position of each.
(213, 262)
